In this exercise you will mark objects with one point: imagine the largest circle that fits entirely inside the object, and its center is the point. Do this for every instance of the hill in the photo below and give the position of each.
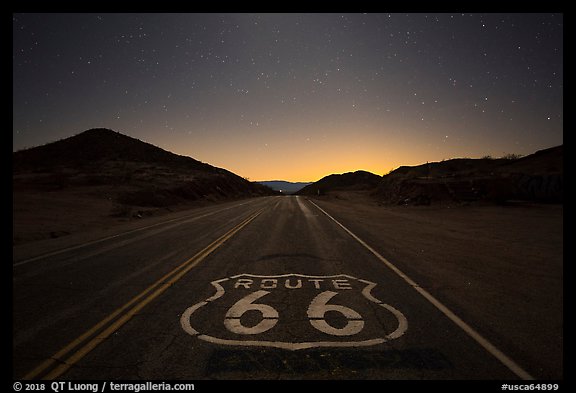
(99, 145)
(351, 181)
(285, 187)
(536, 178)
(102, 173)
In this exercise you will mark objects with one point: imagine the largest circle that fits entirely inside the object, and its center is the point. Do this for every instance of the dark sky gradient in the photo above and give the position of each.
(294, 96)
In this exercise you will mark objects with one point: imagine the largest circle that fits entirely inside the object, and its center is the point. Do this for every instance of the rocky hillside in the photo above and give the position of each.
(537, 177)
(351, 181)
(140, 173)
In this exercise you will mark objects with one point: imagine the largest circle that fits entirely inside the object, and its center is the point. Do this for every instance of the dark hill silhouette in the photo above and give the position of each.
(547, 161)
(98, 145)
(543, 161)
(136, 173)
(359, 180)
(537, 178)
(100, 178)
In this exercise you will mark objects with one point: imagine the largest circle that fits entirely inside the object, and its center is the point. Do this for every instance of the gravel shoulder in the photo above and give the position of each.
(500, 268)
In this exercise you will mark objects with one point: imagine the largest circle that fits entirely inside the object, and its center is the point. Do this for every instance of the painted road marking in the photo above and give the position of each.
(487, 345)
(268, 314)
(319, 307)
(123, 314)
(322, 299)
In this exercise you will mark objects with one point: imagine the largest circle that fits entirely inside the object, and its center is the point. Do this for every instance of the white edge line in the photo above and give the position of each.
(487, 345)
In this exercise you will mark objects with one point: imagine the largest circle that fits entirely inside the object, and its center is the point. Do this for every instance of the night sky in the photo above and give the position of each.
(294, 96)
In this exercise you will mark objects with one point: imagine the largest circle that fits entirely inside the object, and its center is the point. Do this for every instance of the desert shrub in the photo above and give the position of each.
(511, 156)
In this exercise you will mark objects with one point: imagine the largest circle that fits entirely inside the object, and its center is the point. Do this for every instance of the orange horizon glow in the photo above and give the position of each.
(296, 157)
(295, 97)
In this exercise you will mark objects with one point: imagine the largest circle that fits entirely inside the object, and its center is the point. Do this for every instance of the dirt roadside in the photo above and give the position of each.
(499, 268)
(50, 221)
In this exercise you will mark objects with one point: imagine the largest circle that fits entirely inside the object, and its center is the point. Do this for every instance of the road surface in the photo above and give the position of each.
(267, 288)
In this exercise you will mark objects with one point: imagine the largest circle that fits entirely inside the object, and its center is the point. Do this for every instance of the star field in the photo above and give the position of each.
(294, 96)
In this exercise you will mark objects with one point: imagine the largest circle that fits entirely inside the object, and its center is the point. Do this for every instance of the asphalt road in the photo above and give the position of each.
(268, 288)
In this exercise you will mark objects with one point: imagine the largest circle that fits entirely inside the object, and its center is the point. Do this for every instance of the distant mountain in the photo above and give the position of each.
(285, 187)
(136, 172)
(359, 180)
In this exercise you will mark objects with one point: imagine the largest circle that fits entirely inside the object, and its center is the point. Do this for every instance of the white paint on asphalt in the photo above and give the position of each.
(318, 309)
(234, 314)
(487, 345)
(294, 346)
(323, 302)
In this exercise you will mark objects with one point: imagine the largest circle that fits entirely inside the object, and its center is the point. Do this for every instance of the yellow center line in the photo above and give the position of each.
(158, 288)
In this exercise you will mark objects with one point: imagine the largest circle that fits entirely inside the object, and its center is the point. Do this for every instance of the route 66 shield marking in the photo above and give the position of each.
(294, 311)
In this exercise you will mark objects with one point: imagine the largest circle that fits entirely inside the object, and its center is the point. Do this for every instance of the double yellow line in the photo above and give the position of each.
(61, 361)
